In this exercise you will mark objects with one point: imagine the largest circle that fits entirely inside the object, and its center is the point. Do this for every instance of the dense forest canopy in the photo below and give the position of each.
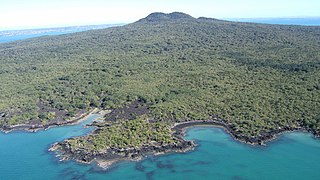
(256, 77)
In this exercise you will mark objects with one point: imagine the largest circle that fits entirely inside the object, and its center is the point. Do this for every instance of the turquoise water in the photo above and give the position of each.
(294, 156)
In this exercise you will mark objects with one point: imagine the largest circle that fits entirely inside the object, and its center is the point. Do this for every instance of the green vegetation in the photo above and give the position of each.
(125, 134)
(257, 77)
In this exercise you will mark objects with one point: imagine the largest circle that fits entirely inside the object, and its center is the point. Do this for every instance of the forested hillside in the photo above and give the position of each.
(256, 77)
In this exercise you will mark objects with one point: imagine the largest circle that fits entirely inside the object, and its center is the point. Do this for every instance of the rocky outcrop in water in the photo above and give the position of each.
(66, 152)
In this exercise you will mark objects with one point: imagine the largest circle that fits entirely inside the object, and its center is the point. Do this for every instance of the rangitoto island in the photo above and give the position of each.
(158, 76)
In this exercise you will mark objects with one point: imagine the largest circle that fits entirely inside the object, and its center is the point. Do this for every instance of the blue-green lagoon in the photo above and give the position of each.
(294, 155)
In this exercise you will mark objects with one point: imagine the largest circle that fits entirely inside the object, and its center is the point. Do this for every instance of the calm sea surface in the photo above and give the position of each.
(293, 156)
(284, 21)
(6, 38)
(13, 35)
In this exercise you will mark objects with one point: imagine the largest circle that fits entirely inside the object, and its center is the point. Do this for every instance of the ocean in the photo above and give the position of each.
(13, 35)
(314, 21)
(294, 155)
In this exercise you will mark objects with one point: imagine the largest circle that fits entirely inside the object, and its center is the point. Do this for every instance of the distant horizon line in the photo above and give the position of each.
(124, 23)
(57, 26)
(285, 17)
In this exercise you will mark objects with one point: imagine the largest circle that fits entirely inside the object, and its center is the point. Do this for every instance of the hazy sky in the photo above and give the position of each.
(16, 14)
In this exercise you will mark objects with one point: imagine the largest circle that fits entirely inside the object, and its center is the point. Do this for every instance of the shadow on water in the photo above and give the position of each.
(140, 167)
(197, 163)
(71, 173)
(150, 175)
(162, 165)
(238, 178)
(188, 171)
(152, 158)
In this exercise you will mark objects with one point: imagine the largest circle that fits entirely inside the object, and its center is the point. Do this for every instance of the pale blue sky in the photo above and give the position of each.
(16, 14)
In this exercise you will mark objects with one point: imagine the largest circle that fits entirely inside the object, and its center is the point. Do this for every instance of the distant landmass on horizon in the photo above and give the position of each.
(305, 21)
(13, 35)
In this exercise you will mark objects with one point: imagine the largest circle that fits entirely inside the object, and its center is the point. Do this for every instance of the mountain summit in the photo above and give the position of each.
(158, 16)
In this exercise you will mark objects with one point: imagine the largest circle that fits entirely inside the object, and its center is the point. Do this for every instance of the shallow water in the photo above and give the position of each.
(293, 156)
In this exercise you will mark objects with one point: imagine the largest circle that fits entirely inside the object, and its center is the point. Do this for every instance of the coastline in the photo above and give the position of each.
(261, 140)
(35, 128)
(112, 155)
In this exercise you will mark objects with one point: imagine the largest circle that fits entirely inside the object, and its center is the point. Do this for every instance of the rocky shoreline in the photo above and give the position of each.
(113, 155)
(180, 128)
(35, 128)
